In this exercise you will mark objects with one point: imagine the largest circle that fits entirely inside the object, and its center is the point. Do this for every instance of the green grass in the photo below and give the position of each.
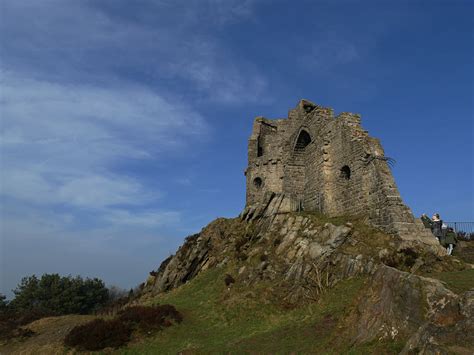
(456, 281)
(242, 320)
(378, 347)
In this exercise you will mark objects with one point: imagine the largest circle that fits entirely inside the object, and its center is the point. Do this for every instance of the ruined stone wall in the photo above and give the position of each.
(323, 163)
(265, 172)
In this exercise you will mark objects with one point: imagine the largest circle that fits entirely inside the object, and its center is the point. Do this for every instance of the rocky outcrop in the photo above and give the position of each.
(199, 252)
(448, 330)
(401, 306)
(273, 204)
(293, 248)
(301, 255)
(190, 259)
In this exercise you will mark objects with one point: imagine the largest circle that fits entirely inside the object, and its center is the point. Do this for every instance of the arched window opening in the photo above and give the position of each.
(303, 140)
(259, 147)
(259, 150)
(345, 172)
(308, 108)
(257, 182)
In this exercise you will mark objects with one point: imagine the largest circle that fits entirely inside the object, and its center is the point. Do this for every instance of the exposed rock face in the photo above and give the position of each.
(315, 161)
(450, 330)
(194, 256)
(191, 258)
(273, 204)
(292, 245)
(400, 305)
(303, 254)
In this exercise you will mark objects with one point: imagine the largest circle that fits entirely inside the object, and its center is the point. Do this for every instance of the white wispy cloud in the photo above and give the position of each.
(330, 53)
(231, 11)
(58, 142)
(143, 219)
(93, 41)
(201, 63)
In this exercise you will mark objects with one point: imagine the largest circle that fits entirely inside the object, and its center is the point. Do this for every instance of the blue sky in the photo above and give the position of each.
(124, 124)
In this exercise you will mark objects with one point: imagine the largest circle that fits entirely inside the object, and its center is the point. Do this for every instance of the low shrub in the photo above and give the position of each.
(99, 334)
(10, 330)
(229, 280)
(150, 318)
(11, 322)
(114, 306)
(404, 259)
(26, 317)
(408, 256)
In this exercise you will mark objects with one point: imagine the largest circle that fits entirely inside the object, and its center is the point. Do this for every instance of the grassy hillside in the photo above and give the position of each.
(456, 281)
(241, 320)
(350, 302)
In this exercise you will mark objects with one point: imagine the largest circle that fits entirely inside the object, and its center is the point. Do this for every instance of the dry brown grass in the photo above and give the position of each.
(48, 338)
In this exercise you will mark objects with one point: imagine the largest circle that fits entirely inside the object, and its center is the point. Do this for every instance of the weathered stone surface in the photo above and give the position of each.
(191, 257)
(195, 255)
(394, 305)
(448, 330)
(314, 161)
(295, 246)
(400, 305)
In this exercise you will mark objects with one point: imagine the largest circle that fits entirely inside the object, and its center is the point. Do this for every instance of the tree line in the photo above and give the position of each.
(54, 295)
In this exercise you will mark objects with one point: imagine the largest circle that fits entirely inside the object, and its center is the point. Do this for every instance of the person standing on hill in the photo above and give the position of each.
(426, 220)
(450, 240)
(436, 227)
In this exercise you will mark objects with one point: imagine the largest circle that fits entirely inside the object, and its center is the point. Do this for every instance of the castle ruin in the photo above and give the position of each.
(314, 161)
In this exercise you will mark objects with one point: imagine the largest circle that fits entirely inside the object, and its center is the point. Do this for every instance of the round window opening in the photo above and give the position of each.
(345, 172)
(257, 182)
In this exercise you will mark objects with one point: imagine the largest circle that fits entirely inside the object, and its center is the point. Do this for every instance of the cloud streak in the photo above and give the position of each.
(174, 44)
(59, 142)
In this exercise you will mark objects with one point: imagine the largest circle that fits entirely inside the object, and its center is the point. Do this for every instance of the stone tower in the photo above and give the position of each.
(313, 161)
